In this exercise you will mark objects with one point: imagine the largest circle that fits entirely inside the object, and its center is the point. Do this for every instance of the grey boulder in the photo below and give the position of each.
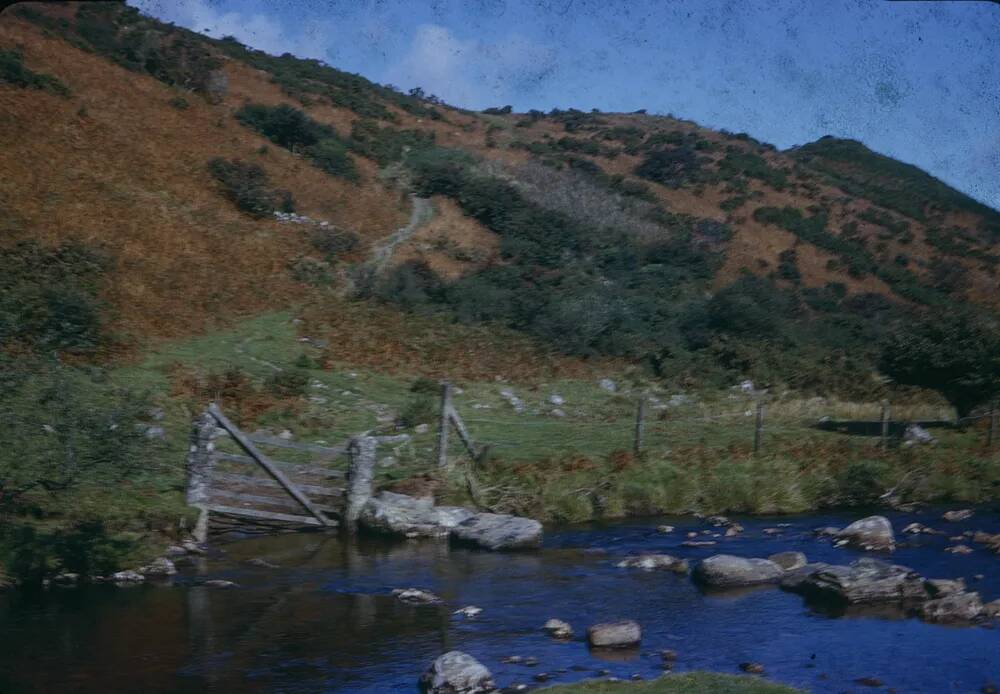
(727, 571)
(789, 561)
(865, 581)
(398, 514)
(871, 533)
(457, 673)
(957, 607)
(653, 562)
(499, 531)
(623, 634)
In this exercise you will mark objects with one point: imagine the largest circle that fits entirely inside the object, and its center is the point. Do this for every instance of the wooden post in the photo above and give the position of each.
(360, 472)
(199, 471)
(758, 430)
(640, 415)
(463, 434)
(991, 435)
(442, 451)
(886, 414)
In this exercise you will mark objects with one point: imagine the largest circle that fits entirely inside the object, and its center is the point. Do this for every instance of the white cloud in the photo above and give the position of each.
(472, 73)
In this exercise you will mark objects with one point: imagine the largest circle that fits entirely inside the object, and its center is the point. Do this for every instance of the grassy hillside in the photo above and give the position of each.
(184, 218)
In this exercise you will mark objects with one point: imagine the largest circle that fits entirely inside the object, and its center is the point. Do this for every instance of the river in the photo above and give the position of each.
(325, 621)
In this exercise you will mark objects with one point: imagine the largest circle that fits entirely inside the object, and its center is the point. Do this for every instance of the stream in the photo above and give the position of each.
(324, 620)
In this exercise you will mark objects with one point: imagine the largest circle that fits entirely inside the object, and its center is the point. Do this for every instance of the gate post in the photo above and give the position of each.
(199, 470)
(360, 472)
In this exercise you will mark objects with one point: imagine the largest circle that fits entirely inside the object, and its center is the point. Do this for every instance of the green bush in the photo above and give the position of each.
(333, 242)
(12, 71)
(247, 186)
(671, 167)
(288, 382)
(421, 409)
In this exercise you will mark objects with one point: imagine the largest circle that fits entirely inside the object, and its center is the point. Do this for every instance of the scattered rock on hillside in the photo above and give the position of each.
(957, 516)
(871, 533)
(623, 634)
(608, 385)
(651, 562)
(557, 400)
(727, 571)
(456, 673)
(916, 435)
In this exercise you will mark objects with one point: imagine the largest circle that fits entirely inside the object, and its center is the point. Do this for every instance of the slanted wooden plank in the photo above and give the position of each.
(259, 500)
(289, 468)
(225, 478)
(295, 445)
(266, 515)
(462, 433)
(274, 472)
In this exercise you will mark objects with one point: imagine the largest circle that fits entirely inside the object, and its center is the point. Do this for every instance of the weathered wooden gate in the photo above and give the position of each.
(248, 491)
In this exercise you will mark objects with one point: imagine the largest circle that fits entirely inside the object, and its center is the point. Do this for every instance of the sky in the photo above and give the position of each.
(919, 81)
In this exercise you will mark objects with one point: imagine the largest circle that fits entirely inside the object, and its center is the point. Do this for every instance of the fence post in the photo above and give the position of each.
(360, 472)
(758, 431)
(442, 451)
(886, 414)
(640, 415)
(199, 470)
(991, 435)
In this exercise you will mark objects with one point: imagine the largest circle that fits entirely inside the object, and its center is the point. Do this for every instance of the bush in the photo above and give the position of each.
(287, 383)
(246, 185)
(421, 409)
(12, 71)
(670, 167)
(49, 296)
(331, 156)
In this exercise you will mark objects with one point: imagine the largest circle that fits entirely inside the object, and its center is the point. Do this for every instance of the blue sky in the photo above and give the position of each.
(919, 81)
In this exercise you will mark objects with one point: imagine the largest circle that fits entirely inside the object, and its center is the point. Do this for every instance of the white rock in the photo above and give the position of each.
(608, 385)
(556, 399)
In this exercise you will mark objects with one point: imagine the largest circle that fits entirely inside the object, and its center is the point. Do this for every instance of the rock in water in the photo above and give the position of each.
(789, 561)
(957, 516)
(865, 581)
(958, 607)
(727, 571)
(558, 629)
(871, 533)
(621, 634)
(409, 516)
(457, 673)
(940, 587)
(651, 562)
(415, 596)
(159, 567)
(128, 577)
(498, 531)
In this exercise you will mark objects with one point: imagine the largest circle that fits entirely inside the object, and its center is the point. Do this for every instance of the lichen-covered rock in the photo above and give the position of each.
(871, 533)
(789, 561)
(957, 607)
(793, 580)
(727, 571)
(159, 568)
(957, 516)
(865, 581)
(499, 531)
(457, 673)
(410, 516)
(941, 587)
(654, 562)
(623, 634)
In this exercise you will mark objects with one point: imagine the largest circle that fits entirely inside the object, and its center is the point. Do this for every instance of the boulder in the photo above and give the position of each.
(558, 629)
(128, 577)
(957, 607)
(415, 596)
(727, 571)
(828, 531)
(410, 516)
(865, 581)
(469, 611)
(457, 673)
(992, 609)
(499, 531)
(871, 533)
(795, 579)
(789, 561)
(918, 528)
(959, 549)
(652, 562)
(219, 583)
(941, 587)
(990, 540)
(664, 529)
(159, 567)
(623, 634)
(957, 516)
(916, 435)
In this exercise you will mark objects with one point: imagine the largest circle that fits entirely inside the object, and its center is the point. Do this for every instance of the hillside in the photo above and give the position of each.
(627, 235)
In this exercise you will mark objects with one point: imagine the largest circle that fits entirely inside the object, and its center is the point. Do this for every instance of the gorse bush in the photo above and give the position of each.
(294, 130)
(13, 71)
(49, 296)
(247, 186)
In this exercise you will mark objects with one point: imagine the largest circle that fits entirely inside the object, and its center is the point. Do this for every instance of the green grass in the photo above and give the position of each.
(687, 683)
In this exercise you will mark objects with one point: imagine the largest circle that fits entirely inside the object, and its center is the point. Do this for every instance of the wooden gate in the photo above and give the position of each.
(239, 487)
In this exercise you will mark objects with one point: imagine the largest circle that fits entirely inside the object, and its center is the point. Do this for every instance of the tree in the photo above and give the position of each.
(956, 354)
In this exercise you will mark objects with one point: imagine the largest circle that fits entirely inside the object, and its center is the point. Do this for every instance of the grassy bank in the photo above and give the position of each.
(562, 452)
(687, 683)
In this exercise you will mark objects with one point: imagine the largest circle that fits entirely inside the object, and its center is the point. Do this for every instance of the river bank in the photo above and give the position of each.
(313, 613)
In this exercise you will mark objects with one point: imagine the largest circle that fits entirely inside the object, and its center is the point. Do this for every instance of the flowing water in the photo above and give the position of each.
(325, 621)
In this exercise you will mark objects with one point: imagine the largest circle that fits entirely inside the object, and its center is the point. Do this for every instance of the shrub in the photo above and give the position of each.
(287, 382)
(180, 103)
(246, 185)
(12, 71)
(670, 167)
(331, 156)
(421, 409)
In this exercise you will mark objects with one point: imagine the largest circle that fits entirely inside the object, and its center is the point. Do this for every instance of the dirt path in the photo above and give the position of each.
(421, 213)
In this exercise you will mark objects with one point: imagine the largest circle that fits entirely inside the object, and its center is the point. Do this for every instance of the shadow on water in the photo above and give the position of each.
(317, 614)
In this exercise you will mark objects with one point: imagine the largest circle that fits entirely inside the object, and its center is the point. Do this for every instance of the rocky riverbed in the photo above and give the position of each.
(312, 613)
